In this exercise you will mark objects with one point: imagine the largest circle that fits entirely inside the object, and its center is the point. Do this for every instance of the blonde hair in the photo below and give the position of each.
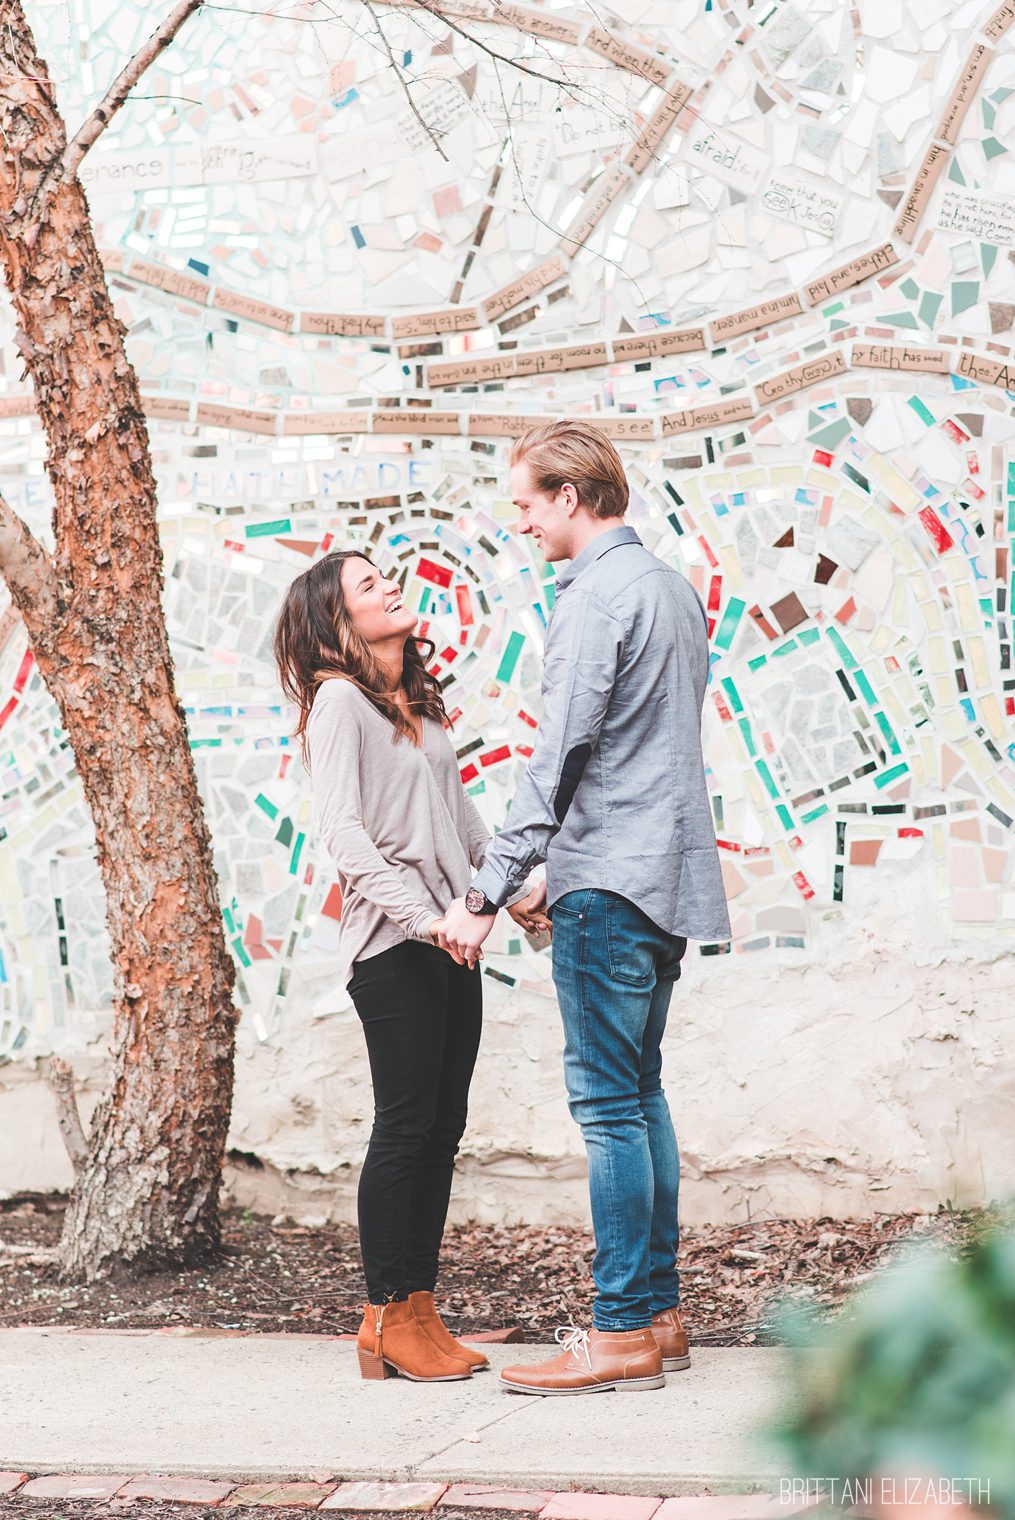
(577, 454)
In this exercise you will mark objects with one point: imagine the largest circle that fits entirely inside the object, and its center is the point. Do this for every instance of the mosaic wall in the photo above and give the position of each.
(767, 247)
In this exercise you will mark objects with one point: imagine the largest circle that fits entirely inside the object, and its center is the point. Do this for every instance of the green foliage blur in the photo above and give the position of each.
(917, 1378)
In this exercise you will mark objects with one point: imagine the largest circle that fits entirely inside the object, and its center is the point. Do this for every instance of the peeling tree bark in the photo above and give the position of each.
(148, 1190)
(61, 1083)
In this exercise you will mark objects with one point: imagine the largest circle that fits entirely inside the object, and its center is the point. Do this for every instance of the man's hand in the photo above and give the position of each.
(528, 913)
(461, 933)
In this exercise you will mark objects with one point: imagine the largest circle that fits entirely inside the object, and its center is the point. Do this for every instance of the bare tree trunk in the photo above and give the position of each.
(149, 1185)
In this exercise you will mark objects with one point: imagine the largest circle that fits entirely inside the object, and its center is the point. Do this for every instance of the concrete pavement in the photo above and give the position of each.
(249, 1407)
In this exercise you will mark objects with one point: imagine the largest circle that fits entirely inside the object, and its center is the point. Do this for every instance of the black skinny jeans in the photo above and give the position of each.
(422, 1015)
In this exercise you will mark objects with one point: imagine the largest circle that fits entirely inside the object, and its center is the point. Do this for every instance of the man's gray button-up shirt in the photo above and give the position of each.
(614, 795)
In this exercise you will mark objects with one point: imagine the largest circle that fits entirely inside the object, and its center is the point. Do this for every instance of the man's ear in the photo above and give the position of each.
(570, 496)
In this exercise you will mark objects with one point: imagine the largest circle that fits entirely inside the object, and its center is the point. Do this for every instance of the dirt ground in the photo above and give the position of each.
(277, 1276)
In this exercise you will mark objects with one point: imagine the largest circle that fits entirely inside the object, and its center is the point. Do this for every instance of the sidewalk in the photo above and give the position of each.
(258, 1407)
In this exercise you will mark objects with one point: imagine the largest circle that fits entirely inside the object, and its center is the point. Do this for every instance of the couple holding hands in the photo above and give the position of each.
(614, 802)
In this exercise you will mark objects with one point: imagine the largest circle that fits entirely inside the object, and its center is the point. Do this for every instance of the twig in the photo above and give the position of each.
(122, 85)
(435, 10)
(27, 1256)
(403, 81)
(61, 1082)
(530, 208)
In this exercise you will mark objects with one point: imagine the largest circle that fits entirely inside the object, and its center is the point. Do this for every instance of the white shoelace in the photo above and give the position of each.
(574, 1340)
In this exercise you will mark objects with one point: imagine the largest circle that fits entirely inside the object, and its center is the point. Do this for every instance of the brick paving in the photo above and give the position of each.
(580, 1506)
(374, 1500)
(373, 1495)
(73, 1486)
(181, 1490)
(488, 1496)
(734, 1507)
(291, 1495)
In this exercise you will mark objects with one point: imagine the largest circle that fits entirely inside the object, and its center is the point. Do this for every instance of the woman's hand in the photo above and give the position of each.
(435, 936)
(529, 915)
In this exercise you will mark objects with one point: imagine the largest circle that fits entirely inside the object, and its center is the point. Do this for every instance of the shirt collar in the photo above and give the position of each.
(624, 534)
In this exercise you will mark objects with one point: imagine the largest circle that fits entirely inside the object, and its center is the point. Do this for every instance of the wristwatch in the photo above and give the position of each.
(477, 902)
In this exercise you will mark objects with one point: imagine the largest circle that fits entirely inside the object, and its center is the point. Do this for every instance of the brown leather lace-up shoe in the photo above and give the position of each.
(593, 1361)
(672, 1339)
(426, 1312)
(391, 1340)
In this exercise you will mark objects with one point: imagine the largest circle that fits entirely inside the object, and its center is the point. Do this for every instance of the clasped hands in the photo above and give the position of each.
(462, 933)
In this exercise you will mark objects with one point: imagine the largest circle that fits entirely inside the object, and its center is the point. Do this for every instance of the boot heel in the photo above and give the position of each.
(676, 1363)
(373, 1367)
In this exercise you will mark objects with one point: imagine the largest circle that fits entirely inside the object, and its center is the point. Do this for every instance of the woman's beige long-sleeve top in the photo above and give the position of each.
(401, 831)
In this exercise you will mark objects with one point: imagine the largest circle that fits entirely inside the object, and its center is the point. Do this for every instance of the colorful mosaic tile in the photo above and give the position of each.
(769, 250)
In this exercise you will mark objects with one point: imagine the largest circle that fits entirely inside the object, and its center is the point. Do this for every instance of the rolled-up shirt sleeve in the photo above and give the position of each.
(334, 745)
(585, 644)
(479, 843)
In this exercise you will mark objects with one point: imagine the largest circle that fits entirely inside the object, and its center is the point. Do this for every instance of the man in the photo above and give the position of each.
(614, 800)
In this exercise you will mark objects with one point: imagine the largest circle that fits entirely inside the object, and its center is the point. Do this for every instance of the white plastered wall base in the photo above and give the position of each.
(874, 1084)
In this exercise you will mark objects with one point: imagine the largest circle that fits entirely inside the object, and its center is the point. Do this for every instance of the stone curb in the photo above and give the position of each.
(329, 1493)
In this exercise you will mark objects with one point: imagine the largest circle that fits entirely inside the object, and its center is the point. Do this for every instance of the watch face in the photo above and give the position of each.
(474, 900)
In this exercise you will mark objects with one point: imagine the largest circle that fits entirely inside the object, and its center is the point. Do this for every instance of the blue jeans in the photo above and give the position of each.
(614, 971)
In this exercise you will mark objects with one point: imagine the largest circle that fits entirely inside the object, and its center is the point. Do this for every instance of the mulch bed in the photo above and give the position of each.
(93, 1509)
(276, 1276)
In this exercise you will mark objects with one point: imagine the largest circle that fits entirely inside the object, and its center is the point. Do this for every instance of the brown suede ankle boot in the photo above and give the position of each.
(672, 1338)
(426, 1312)
(391, 1340)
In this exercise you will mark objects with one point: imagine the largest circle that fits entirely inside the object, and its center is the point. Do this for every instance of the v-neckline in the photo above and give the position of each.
(421, 746)
(419, 736)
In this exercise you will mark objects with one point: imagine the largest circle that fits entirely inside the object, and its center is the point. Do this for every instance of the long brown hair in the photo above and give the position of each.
(315, 641)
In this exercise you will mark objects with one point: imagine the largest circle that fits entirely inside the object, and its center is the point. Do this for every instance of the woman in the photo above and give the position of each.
(403, 836)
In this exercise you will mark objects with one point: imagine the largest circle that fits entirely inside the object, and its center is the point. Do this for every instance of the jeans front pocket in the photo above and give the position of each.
(572, 905)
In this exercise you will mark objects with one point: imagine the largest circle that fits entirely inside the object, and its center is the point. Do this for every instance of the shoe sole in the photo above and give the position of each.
(619, 1385)
(676, 1363)
(444, 1377)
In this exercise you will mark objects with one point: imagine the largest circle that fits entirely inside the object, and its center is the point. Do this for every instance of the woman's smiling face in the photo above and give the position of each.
(374, 603)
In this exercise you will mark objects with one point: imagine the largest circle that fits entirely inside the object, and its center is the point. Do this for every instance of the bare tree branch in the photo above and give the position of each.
(25, 564)
(404, 82)
(122, 85)
(432, 8)
(61, 1082)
